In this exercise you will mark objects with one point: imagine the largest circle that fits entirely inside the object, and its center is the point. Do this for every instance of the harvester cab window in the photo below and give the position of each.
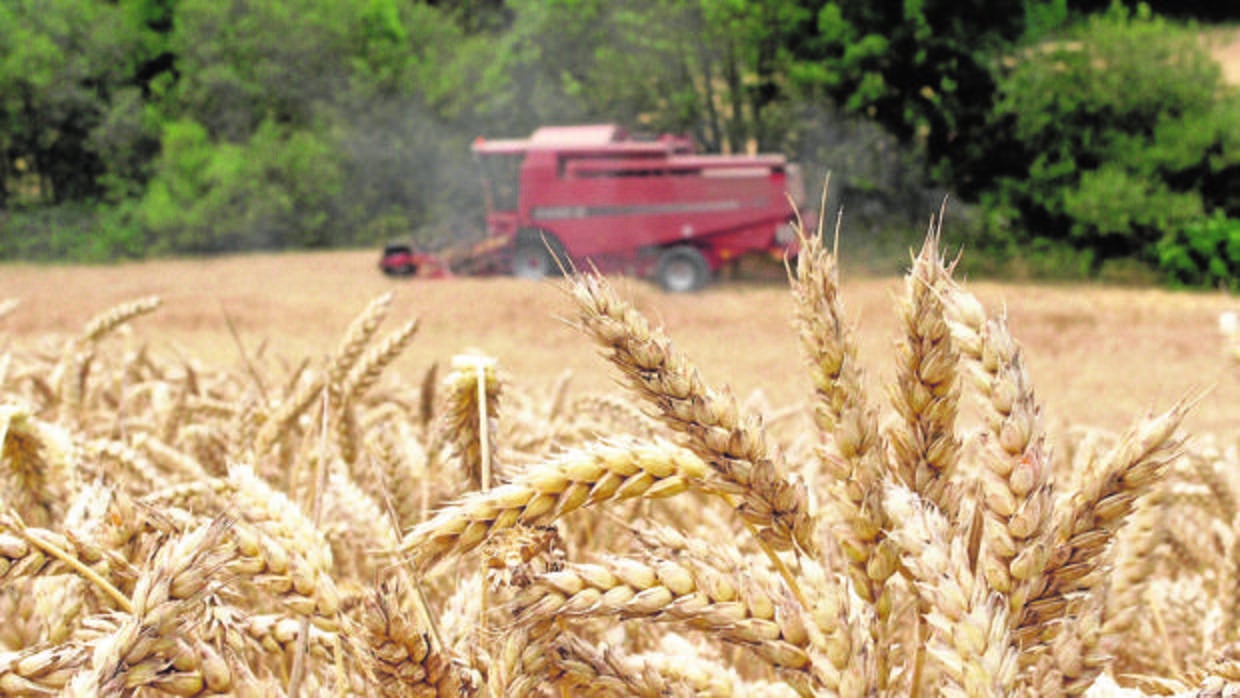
(501, 176)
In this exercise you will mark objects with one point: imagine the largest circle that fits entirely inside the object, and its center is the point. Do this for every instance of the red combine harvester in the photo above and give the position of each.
(591, 196)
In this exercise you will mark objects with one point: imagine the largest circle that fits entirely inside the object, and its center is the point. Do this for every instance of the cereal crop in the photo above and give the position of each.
(171, 525)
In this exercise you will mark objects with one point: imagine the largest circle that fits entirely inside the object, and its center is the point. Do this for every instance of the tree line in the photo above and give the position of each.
(1078, 135)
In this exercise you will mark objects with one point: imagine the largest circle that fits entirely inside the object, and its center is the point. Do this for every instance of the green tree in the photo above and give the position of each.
(275, 191)
(244, 62)
(65, 70)
(712, 68)
(922, 69)
(1127, 132)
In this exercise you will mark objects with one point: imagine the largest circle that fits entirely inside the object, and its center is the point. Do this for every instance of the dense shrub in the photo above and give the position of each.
(1127, 131)
(1204, 252)
(274, 191)
(71, 233)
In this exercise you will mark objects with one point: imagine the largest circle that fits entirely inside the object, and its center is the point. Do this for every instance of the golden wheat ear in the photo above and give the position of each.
(1078, 570)
(402, 653)
(749, 608)
(753, 478)
(283, 549)
(551, 489)
(585, 667)
(850, 460)
(176, 580)
(69, 376)
(1013, 465)
(371, 365)
(969, 645)
(360, 379)
(470, 417)
(357, 337)
(924, 445)
(37, 465)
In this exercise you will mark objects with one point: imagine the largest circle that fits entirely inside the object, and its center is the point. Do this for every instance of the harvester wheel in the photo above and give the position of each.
(397, 260)
(531, 261)
(535, 256)
(401, 270)
(682, 269)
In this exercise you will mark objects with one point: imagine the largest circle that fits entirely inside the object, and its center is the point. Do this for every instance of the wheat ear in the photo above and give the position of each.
(741, 608)
(970, 642)
(472, 392)
(924, 444)
(1016, 467)
(282, 547)
(1075, 574)
(840, 626)
(733, 444)
(584, 667)
(355, 340)
(68, 378)
(1097, 512)
(147, 639)
(853, 460)
(546, 491)
(371, 365)
(42, 670)
(295, 403)
(401, 652)
(360, 379)
(37, 465)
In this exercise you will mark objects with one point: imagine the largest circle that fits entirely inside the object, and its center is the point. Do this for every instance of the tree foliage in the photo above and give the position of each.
(1127, 131)
(64, 68)
(136, 127)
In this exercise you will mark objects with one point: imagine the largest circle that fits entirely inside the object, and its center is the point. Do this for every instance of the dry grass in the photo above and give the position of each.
(905, 491)
(1225, 44)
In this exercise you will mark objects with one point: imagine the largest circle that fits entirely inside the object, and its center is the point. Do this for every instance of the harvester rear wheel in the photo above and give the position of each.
(682, 269)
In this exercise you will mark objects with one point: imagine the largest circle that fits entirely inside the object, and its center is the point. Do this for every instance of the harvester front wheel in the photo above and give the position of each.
(682, 269)
(531, 261)
(401, 270)
(535, 254)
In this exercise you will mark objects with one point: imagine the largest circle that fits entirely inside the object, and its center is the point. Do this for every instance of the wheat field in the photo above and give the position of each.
(287, 475)
(1100, 356)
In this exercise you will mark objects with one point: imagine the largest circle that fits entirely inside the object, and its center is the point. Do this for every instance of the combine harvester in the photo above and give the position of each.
(592, 197)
